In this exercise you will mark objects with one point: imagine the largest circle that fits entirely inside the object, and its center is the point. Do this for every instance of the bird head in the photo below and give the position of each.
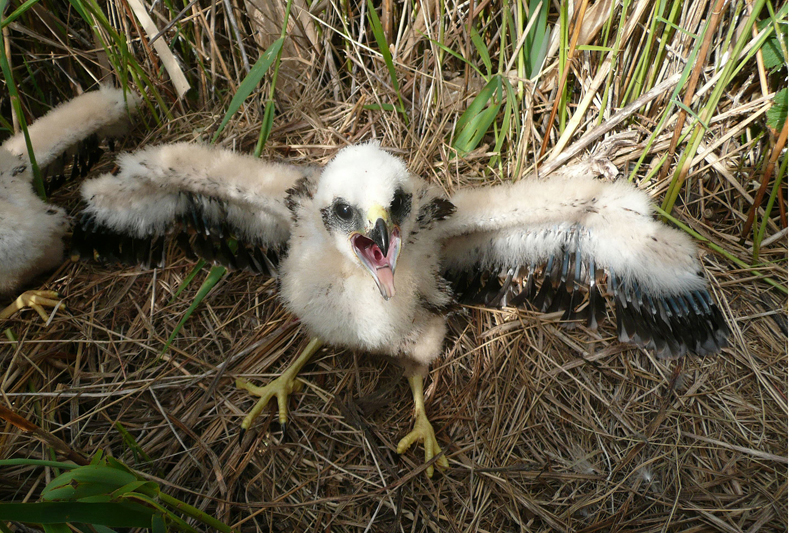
(365, 199)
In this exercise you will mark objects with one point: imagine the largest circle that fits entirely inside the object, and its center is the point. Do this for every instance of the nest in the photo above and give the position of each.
(545, 428)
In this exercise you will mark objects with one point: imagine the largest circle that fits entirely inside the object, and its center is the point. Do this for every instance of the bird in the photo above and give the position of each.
(32, 230)
(371, 257)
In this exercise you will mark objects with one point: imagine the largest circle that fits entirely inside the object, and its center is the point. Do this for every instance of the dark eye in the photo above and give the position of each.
(343, 211)
(400, 204)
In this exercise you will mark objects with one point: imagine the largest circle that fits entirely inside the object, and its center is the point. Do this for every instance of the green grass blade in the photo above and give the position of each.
(728, 72)
(720, 250)
(510, 116)
(759, 236)
(185, 283)
(457, 56)
(5, 67)
(250, 83)
(269, 108)
(594, 48)
(194, 513)
(211, 280)
(16, 13)
(131, 443)
(56, 528)
(266, 126)
(112, 514)
(475, 121)
(37, 462)
(483, 52)
(535, 47)
(383, 46)
(475, 129)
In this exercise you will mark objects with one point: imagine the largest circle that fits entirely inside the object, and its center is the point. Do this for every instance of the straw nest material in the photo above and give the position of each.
(545, 428)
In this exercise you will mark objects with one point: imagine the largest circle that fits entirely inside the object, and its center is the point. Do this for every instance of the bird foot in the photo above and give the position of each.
(35, 300)
(279, 388)
(423, 431)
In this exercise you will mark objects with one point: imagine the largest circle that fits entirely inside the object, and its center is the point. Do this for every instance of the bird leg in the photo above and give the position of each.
(280, 387)
(33, 299)
(423, 431)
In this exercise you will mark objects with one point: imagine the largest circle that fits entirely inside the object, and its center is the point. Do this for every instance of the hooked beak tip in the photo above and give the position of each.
(380, 236)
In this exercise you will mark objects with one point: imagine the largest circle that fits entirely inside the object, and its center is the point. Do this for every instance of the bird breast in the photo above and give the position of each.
(338, 301)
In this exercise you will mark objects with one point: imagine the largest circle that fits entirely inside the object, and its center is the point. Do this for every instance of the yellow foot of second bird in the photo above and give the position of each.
(35, 300)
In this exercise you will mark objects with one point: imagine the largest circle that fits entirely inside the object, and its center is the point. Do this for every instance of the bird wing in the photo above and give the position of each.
(204, 196)
(104, 114)
(569, 242)
(31, 230)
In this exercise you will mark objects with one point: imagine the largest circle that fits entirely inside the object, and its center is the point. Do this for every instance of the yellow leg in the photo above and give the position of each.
(280, 387)
(423, 431)
(33, 299)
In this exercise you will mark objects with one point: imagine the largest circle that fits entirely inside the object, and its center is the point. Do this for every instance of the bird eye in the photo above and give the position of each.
(343, 211)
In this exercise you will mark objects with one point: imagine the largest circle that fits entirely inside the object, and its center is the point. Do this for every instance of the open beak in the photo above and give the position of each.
(377, 248)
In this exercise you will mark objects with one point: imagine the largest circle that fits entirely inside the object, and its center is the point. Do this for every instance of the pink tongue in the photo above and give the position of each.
(386, 281)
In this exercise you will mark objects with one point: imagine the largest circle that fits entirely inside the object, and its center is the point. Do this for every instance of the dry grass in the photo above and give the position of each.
(545, 428)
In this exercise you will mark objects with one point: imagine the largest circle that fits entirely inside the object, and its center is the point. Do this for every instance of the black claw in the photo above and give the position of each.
(283, 429)
(242, 431)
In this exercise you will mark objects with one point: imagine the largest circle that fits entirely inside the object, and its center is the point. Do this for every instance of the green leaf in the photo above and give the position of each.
(121, 514)
(483, 51)
(593, 48)
(383, 46)
(102, 529)
(56, 528)
(379, 107)
(38, 462)
(475, 122)
(457, 56)
(771, 50)
(86, 482)
(158, 524)
(538, 39)
(777, 114)
(63, 493)
(148, 488)
(250, 83)
(212, 279)
(17, 12)
(476, 128)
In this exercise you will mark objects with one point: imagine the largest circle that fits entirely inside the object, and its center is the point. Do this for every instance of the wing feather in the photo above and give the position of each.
(204, 195)
(580, 239)
(31, 230)
(104, 113)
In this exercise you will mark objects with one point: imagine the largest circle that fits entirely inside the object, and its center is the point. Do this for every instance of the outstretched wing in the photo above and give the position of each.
(219, 205)
(568, 243)
(31, 231)
(104, 114)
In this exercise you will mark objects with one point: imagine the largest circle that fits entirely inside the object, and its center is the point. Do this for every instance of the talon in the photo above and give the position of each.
(242, 431)
(423, 432)
(279, 388)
